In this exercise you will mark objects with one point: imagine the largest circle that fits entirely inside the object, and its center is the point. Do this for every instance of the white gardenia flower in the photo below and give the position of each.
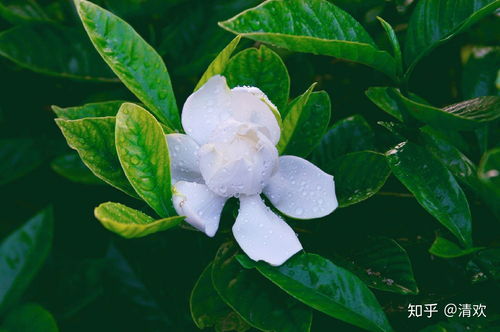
(230, 151)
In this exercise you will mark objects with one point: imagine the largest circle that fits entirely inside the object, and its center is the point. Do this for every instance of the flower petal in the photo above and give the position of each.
(184, 164)
(262, 234)
(249, 104)
(301, 190)
(199, 204)
(206, 108)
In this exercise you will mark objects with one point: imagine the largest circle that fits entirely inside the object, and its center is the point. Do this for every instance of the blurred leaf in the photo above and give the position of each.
(261, 68)
(21, 11)
(107, 108)
(480, 73)
(489, 171)
(143, 153)
(347, 135)
(208, 309)
(131, 223)
(446, 249)
(133, 60)
(22, 254)
(436, 21)
(72, 168)
(19, 156)
(138, 8)
(434, 188)
(219, 64)
(133, 290)
(358, 176)
(383, 264)
(326, 287)
(305, 120)
(260, 304)
(311, 26)
(489, 262)
(94, 140)
(30, 318)
(54, 50)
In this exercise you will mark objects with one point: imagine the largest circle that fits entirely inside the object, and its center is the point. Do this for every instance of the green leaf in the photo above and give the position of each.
(305, 123)
(256, 300)
(54, 50)
(480, 73)
(22, 11)
(92, 110)
(434, 188)
(446, 249)
(326, 287)
(219, 64)
(72, 168)
(311, 26)
(131, 223)
(22, 254)
(387, 100)
(30, 318)
(383, 264)
(358, 176)
(93, 139)
(133, 60)
(436, 21)
(19, 157)
(262, 68)
(208, 309)
(466, 115)
(396, 48)
(489, 170)
(488, 261)
(347, 135)
(143, 153)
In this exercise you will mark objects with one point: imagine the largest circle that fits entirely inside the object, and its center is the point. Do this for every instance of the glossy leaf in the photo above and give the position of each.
(93, 139)
(131, 223)
(326, 287)
(143, 153)
(436, 21)
(383, 264)
(434, 188)
(387, 100)
(22, 254)
(396, 48)
(465, 115)
(351, 134)
(53, 50)
(446, 249)
(489, 170)
(107, 108)
(311, 26)
(358, 176)
(219, 64)
(262, 68)
(208, 309)
(19, 156)
(133, 60)
(256, 300)
(305, 123)
(72, 168)
(30, 318)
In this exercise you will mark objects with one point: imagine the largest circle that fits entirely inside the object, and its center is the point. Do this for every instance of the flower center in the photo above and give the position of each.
(239, 159)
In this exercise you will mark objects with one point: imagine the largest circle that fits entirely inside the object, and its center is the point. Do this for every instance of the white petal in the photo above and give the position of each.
(205, 109)
(301, 190)
(184, 164)
(252, 105)
(262, 234)
(199, 204)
